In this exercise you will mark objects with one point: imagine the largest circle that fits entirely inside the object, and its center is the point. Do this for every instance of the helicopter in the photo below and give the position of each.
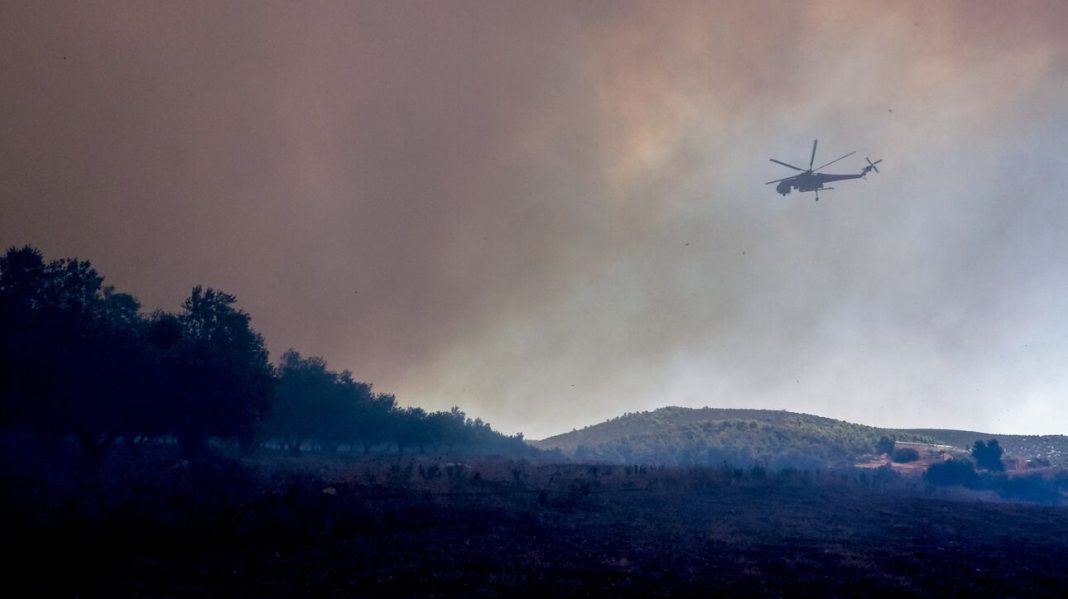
(812, 179)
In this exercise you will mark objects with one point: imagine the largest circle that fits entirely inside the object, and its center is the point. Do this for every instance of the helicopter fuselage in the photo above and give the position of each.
(812, 181)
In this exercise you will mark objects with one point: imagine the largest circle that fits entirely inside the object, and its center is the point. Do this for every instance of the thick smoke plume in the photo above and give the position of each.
(553, 213)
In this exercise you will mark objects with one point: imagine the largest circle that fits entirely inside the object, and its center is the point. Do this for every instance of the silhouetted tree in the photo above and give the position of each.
(300, 401)
(988, 455)
(410, 429)
(374, 426)
(313, 403)
(224, 382)
(23, 376)
(73, 356)
(78, 358)
(351, 403)
(107, 389)
(450, 427)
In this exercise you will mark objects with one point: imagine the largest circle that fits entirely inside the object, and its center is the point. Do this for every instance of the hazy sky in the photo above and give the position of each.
(553, 213)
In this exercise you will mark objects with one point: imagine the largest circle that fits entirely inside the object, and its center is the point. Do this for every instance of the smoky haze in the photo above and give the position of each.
(553, 213)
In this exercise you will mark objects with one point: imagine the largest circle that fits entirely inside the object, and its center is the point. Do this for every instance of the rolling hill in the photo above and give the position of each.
(776, 438)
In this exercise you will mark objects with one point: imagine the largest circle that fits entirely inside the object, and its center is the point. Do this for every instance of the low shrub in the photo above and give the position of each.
(904, 455)
(952, 473)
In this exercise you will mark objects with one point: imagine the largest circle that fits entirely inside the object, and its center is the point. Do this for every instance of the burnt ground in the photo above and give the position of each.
(162, 526)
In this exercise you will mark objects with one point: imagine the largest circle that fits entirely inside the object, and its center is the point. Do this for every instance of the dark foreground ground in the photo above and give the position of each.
(161, 526)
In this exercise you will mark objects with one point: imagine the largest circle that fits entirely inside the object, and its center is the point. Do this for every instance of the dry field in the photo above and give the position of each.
(160, 526)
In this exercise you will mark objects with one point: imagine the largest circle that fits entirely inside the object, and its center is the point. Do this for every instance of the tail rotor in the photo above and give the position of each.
(871, 165)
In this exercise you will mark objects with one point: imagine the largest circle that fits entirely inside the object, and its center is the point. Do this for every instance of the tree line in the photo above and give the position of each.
(80, 359)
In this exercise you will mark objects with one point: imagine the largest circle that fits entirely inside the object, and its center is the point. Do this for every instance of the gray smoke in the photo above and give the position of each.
(552, 214)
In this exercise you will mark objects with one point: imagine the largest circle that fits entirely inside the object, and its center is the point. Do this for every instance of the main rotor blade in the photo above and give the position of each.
(787, 165)
(777, 180)
(835, 160)
(813, 159)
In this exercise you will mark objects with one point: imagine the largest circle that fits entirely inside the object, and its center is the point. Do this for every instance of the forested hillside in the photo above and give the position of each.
(686, 436)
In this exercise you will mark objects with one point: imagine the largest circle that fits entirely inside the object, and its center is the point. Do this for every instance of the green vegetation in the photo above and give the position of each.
(1033, 487)
(776, 439)
(1051, 448)
(711, 436)
(79, 360)
(988, 455)
(953, 472)
(905, 455)
(885, 445)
